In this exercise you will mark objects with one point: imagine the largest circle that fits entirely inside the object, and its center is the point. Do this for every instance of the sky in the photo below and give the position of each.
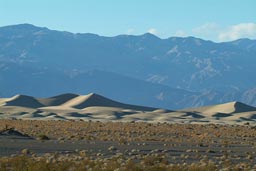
(216, 20)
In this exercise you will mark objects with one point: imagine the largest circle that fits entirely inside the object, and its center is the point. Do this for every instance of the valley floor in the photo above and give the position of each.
(125, 145)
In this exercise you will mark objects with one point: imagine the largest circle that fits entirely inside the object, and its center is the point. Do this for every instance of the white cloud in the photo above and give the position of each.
(207, 29)
(242, 30)
(153, 31)
(180, 33)
(216, 32)
(130, 31)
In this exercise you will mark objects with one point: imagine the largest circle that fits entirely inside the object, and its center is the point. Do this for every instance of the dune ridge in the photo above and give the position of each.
(92, 99)
(57, 100)
(99, 108)
(21, 100)
(226, 108)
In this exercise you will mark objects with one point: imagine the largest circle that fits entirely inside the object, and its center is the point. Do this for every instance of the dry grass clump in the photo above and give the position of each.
(23, 163)
(43, 137)
(149, 163)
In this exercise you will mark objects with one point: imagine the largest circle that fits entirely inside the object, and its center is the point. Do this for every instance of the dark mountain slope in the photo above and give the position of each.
(39, 61)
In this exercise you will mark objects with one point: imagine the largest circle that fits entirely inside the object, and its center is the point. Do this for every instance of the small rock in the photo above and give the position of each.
(111, 148)
(25, 151)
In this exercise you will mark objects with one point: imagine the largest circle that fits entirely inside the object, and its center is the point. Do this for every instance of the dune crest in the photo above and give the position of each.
(23, 101)
(226, 108)
(92, 99)
(99, 108)
(57, 100)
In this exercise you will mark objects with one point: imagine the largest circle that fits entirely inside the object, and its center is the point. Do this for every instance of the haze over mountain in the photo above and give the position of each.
(171, 73)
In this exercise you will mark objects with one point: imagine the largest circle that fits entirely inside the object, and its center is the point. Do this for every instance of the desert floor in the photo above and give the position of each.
(175, 144)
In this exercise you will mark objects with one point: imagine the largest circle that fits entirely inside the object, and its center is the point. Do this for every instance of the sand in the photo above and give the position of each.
(99, 108)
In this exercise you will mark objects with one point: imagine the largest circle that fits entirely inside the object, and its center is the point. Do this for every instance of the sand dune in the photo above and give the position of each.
(96, 107)
(21, 100)
(57, 100)
(92, 99)
(226, 108)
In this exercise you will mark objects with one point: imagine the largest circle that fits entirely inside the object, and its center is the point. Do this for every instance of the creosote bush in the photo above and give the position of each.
(27, 163)
(43, 137)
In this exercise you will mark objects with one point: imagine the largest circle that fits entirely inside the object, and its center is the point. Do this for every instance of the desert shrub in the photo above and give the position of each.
(43, 137)
(202, 167)
(154, 160)
(132, 166)
(27, 163)
(19, 163)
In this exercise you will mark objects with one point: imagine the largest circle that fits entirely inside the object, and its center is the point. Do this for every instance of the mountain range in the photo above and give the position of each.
(172, 73)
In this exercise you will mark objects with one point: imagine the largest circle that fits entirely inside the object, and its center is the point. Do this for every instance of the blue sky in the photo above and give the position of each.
(217, 20)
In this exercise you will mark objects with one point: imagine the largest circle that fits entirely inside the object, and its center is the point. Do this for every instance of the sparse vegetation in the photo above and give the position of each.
(182, 146)
(73, 163)
(43, 137)
(129, 132)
